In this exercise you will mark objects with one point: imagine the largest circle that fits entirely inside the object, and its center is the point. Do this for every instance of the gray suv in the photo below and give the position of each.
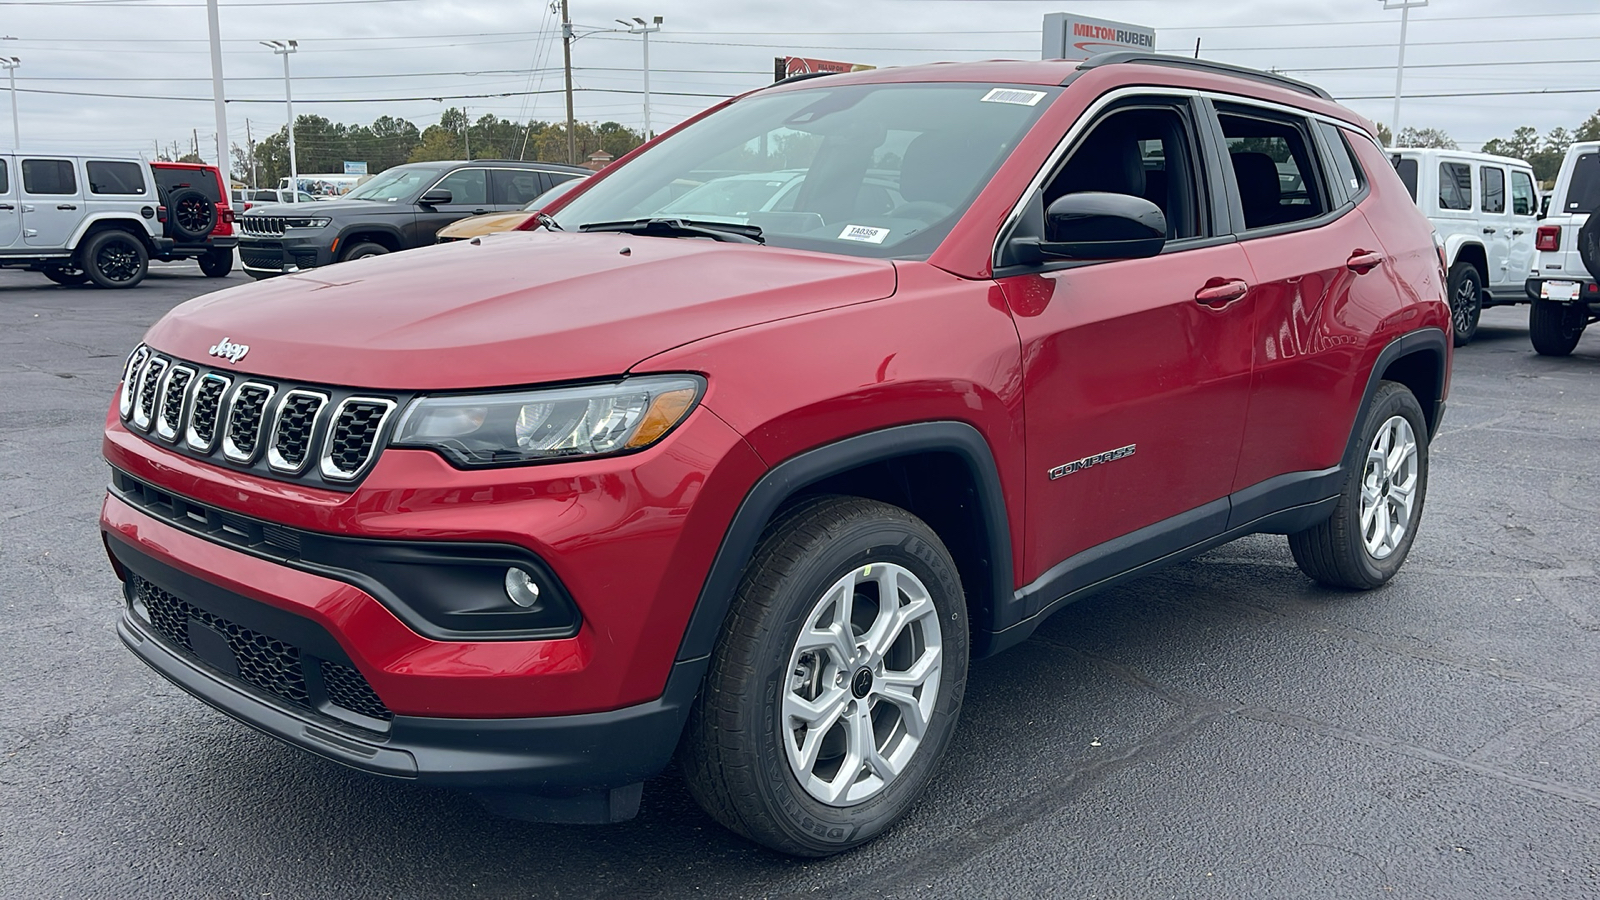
(399, 209)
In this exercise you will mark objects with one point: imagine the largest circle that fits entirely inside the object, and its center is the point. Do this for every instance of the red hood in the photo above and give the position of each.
(518, 308)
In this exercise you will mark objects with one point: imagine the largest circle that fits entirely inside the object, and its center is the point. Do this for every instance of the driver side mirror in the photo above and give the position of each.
(1096, 225)
(436, 197)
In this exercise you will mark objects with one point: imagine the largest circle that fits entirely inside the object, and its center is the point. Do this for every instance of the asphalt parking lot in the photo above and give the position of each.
(1225, 729)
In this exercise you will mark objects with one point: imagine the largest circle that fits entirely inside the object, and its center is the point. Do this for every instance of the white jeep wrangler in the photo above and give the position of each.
(79, 218)
(1563, 287)
(1485, 208)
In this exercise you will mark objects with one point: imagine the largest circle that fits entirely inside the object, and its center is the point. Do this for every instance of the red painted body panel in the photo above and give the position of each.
(535, 307)
(630, 537)
(1120, 354)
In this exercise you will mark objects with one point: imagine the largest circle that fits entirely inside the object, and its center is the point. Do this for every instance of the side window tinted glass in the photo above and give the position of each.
(5, 178)
(1455, 186)
(1522, 194)
(1583, 193)
(1407, 169)
(1145, 152)
(466, 186)
(1274, 168)
(517, 187)
(1493, 189)
(48, 176)
(1344, 159)
(115, 177)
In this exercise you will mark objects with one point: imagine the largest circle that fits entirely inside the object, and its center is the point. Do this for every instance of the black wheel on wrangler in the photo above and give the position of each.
(217, 263)
(115, 259)
(1556, 328)
(1367, 538)
(1466, 301)
(66, 275)
(836, 687)
(190, 215)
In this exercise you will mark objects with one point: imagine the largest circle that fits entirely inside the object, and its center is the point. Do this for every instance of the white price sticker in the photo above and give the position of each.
(1014, 95)
(864, 233)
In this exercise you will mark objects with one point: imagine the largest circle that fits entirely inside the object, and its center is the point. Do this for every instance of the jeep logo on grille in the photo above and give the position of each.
(229, 351)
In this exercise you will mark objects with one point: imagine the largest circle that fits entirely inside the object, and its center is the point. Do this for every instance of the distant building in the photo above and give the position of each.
(598, 160)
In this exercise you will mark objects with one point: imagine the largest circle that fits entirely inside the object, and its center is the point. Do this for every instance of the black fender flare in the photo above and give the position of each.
(1406, 344)
(794, 474)
(363, 227)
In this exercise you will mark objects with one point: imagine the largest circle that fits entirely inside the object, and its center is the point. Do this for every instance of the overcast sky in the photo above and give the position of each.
(388, 53)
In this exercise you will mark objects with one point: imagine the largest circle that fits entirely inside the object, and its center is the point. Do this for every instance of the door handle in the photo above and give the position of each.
(65, 206)
(479, 212)
(1488, 231)
(1363, 261)
(1217, 296)
(1517, 231)
(6, 206)
(27, 207)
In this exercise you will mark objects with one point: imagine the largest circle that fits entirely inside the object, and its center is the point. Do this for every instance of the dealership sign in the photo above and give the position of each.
(786, 66)
(1069, 36)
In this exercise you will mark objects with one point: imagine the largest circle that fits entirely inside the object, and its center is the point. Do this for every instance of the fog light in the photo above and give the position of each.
(521, 588)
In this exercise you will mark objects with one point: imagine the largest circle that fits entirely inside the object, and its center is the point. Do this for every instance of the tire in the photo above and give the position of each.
(190, 215)
(363, 250)
(114, 259)
(216, 263)
(1556, 328)
(742, 759)
(66, 275)
(1339, 552)
(1589, 244)
(1465, 287)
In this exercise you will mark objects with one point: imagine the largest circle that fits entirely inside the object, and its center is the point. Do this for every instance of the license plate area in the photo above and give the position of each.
(1560, 291)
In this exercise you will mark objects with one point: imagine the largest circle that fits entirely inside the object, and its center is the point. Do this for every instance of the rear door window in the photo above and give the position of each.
(1523, 196)
(1492, 189)
(5, 178)
(115, 178)
(1455, 186)
(515, 187)
(49, 176)
(1583, 193)
(1274, 169)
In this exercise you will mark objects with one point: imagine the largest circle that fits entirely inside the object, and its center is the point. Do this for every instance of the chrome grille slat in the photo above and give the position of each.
(293, 428)
(149, 381)
(173, 402)
(130, 380)
(247, 413)
(206, 412)
(353, 440)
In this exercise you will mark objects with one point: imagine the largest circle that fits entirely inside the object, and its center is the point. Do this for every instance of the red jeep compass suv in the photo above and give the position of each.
(528, 514)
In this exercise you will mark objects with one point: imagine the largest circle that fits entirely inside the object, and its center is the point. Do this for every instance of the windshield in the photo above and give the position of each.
(865, 169)
(395, 184)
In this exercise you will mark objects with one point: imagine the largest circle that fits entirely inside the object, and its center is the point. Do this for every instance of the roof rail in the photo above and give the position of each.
(1119, 57)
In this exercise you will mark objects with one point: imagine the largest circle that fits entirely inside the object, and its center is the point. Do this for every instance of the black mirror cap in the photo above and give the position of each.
(1098, 225)
(436, 197)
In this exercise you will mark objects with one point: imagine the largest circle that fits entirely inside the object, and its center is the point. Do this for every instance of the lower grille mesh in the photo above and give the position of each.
(348, 689)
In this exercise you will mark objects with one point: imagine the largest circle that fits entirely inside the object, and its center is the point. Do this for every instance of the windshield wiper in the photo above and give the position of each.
(548, 221)
(673, 227)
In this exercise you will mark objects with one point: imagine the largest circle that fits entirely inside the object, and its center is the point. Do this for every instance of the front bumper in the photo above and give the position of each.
(1588, 290)
(265, 257)
(270, 669)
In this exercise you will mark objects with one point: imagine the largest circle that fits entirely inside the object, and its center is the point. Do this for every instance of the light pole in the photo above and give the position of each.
(223, 163)
(10, 63)
(1400, 65)
(283, 49)
(639, 27)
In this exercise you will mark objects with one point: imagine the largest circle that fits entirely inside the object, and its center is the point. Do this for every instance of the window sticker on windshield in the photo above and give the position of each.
(863, 233)
(1013, 95)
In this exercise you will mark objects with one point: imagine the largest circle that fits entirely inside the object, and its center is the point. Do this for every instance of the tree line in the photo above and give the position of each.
(323, 146)
(1543, 153)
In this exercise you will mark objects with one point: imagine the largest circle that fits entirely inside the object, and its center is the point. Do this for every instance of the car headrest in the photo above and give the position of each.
(1259, 188)
(1108, 161)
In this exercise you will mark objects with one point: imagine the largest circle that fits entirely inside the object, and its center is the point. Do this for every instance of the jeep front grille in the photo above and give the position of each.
(281, 430)
(268, 225)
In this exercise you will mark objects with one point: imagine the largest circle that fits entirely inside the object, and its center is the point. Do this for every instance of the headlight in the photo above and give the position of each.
(308, 222)
(561, 423)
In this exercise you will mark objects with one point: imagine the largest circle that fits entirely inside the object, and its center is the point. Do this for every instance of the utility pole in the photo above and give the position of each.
(639, 27)
(283, 49)
(1400, 65)
(194, 142)
(250, 153)
(566, 56)
(466, 130)
(216, 89)
(10, 63)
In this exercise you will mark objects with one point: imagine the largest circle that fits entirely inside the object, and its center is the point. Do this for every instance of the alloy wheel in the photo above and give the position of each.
(192, 216)
(1462, 311)
(863, 680)
(1388, 487)
(118, 261)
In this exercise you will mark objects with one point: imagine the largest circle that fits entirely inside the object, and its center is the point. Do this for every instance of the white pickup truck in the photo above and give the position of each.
(1485, 208)
(1563, 285)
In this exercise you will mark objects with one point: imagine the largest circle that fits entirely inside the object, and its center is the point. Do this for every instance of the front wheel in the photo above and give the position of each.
(834, 691)
(1556, 328)
(115, 259)
(363, 250)
(1466, 301)
(1365, 541)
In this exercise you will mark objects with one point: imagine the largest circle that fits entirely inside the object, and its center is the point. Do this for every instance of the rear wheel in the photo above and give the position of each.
(216, 263)
(1556, 328)
(1466, 300)
(363, 250)
(66, 275)
(834, 691)
(115, 259)
(1365, 541)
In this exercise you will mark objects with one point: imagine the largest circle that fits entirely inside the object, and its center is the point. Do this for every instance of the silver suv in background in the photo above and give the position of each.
(1562, 287)
(78, 219)
(1485, 208)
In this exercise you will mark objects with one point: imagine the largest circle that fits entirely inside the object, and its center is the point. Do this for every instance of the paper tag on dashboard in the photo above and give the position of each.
(1014, 95)
(865, 233)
